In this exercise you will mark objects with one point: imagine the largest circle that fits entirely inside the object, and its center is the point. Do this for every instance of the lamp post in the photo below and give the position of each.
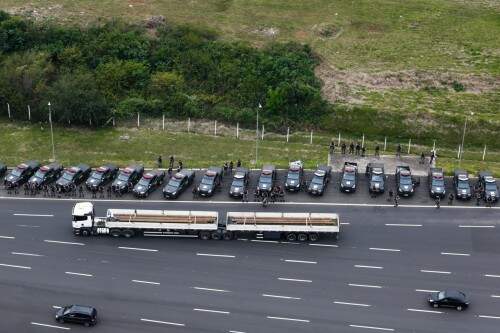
(463, 138)
(52, 134)
(257, 136)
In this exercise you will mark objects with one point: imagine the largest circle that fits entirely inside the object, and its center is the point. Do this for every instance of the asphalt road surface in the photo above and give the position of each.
(374, 278)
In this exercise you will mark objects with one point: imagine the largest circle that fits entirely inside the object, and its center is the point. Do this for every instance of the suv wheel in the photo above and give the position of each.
(459, 308)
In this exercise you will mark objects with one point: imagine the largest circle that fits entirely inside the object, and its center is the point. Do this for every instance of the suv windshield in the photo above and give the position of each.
(238, 182)
(317, 180)
(16, 172)
(293, 175)
(144, 182)
(68, 176)
(207, 180)
(97, 175)
(405, 180)
(123, 177)
(438, 182)
(174, 182)
(40, 174)
(349, 176)
(463, 184)
(265, 179)
(377, 178)
(491, 187)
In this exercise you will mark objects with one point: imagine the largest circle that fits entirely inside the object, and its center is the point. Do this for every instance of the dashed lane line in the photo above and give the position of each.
(477, 226)
(366, 266)
(211, 311)
(323, 245)
(289, 319)
(51, 326)
(364, 285)
(27, 254)
(28, 226)
(488, 317)
(215, 255)
(212, 289)
(137, 249)
(384, 249)
(279, 296)
(62, 242)
(455, 254)
(352, 304)
(294, 280)
(236, 332)
(146, 282)
(15, 266)
(34, 215)
(425, 311)
(300, 261)
(79, 274)
(372, 328)
(162, 322)
(495, 296)
(7, 237)
(402, 225)
(426, 291)
(434, 272)
(492, 275)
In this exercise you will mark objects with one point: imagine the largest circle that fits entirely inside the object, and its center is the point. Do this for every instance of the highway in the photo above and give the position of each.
(375, 278)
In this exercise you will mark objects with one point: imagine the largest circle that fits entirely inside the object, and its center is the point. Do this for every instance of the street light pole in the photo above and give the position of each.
(52, 134)
(463, 139)
(257, 136)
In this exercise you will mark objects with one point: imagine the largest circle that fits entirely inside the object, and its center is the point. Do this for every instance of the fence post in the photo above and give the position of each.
(29, 113)
(163, 122)
(385, 143)
(311, 141)
(138, 120)
(262, 136)
(409, 146)
(113, 121)
(237, 130)
(338, 144)
(459, 151)
(189, 125)
(90, 121)
(434, 146)
(363, 141)
(8, 109)
(484, 152)
(215, 128)
(287, 134)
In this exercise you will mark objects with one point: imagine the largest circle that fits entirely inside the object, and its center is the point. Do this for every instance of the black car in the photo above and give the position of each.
(376, 177)
(462, 185)
(210, 182)
(73, 177)
(178, 183)
(349, 178)
(21, 174)
(149, 182)
(101, 176)
(320, 180)
(46, 175)
(488, 185)
(240, 183)
(436, 183)
(267, 178)
(127, 178)
(449, 299)
(3, 169)
(295, 177)
(78, 314)
(404, 181)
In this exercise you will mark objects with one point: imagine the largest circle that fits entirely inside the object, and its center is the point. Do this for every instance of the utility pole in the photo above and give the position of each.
(463, 139)
(52, 134)
(257, 136)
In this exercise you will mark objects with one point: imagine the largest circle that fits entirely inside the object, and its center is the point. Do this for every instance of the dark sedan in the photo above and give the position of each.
(78, 314)
(101, 176)
(178, 183)
(449, 299)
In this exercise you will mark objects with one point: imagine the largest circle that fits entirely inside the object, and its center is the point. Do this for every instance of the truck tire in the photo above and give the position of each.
(302, 237)
(85, 233)
(115, 233)
(228, 235)
(291, 237)
(128, 233)
(205, 235)
(313, 237)
(216, 235)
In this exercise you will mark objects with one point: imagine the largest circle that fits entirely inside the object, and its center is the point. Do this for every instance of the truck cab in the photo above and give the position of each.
(83, 218)
(376, 177)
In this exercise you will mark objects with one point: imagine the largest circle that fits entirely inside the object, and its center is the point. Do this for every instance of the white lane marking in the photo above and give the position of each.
(78, 274)
(263, 241)
(289, 319)
(365, 266)
(325, 245)
(364, 285)
(212, 311)
(294, 243)
(294, 280)
(301, 261)
(15, 266)
(345, 223)
(402, 225)
(476, 226)
(434, 272)
(236, 332)
(56, 307)
(278, 296)
(489, 317)
(373, 328)
(492, 275)
(146, 282)
(27, 254)
(51, 326)
(352, 304)
(137, 249)
(7, 237)
(161, 322)
(61, 242)
(426, 291)
(211, 289)
(455, 254)
(426, 311)
(383, 249)
(34, 215)
(215, 255)
(28, 226)
(495, 296)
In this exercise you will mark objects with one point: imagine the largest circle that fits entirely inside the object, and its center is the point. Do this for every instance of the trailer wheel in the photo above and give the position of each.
(85, 233)
(302, 237)
(128, 233)
(313, 237)
(216, 235)
(115, 233)
(228, 235)
(205, 235)
(291, 237)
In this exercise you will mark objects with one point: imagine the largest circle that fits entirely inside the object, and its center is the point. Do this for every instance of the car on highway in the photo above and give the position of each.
(149, 182)
(72, 177)
(127, 178)
(436, 183)
(404, 181)
(3, 169)
(46, 175)
(488, 186)
(101, 176)
(295, 177)
(461, 184)
(448, 299)
(210, 182)
(267, 178)
(178, 183)
(21, 174)
(349, 177)
(77, 314)
(240, 182)
(320, 180)
(376, 177)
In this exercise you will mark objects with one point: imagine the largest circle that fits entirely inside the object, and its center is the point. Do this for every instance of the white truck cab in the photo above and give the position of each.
(83, 216)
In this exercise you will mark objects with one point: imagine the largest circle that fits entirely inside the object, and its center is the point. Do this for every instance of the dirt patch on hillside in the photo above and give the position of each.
(341, 85)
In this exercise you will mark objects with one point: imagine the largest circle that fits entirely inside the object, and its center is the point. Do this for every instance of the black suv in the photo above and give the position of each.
(46, 175)
(462, 185)
(178, 183)
(149, 182)
(488, 185)
(320, 179)
(73, 177)
(240, 183)
(101, 176)
(376, 177)
(404, 181)
(78, 314)
(3, 169)
(448, 299)
(127, 178)
(210, 182)
(295, 177)
(267, 178)
(436, 183)
(349, 178)
(21, 174)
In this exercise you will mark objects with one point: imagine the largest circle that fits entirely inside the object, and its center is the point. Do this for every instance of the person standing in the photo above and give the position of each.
(358, 148)
(231, 166)
(171, 161)
(398, 150)
(351, 148)
(343, 148)
(160, 161)
(238, 163)
(377, 151)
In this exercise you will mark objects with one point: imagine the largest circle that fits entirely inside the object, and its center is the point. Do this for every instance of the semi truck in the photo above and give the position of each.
(204, 224)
